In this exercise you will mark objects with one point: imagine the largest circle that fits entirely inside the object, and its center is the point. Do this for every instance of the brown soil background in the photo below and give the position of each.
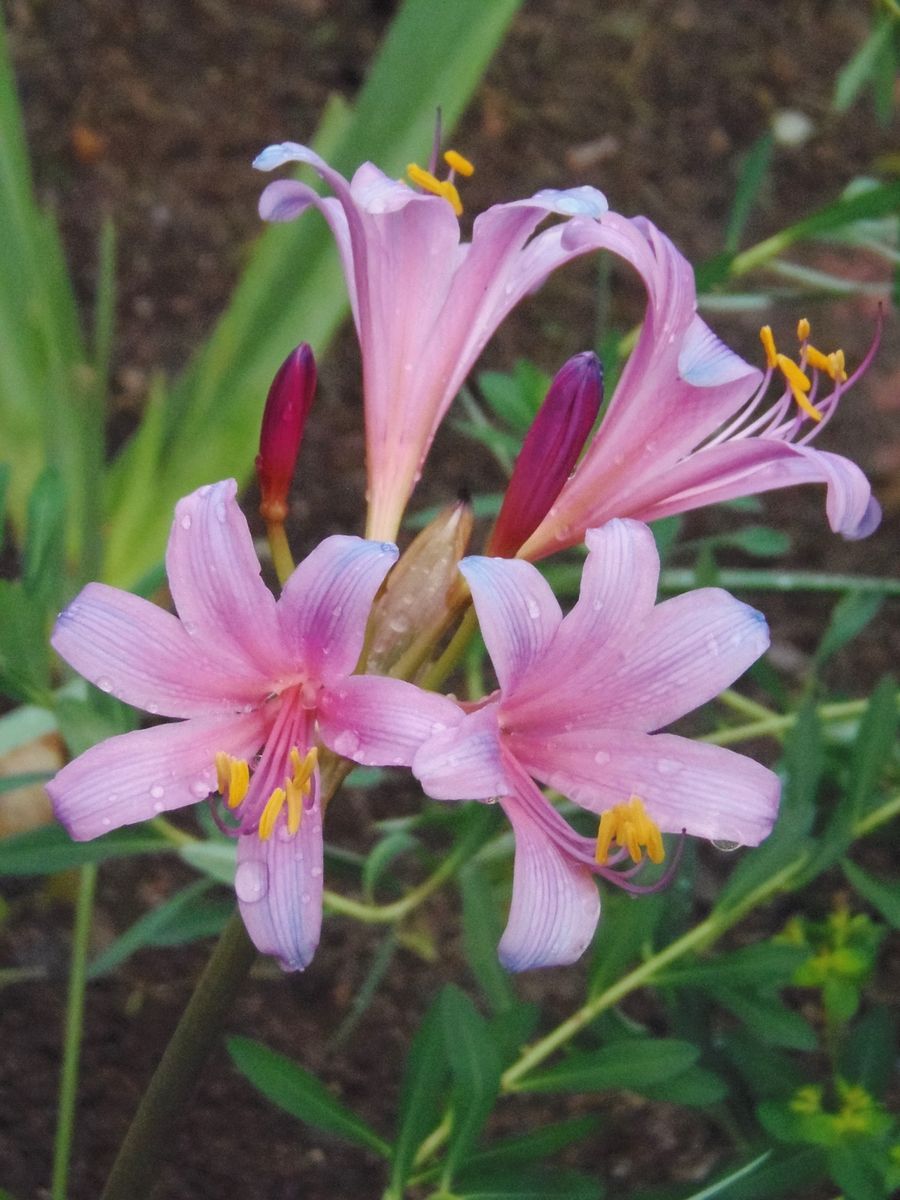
(152, 114)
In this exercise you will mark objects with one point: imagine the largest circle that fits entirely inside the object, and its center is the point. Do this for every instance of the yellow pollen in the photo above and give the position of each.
(438, 187)
(803, 328)
(232, 778)
(274, 805)
(296, 786)
(456, 162)
(799, 383)
(630, 826)
(768, 341)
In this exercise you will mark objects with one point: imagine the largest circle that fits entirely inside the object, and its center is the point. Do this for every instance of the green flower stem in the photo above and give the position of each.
(456, 647)
(68, 1084)
(135, 1169)
(282, 559)
(778, 724)
(755, 579)
(373, 914)
(743, 704)
(698, 938)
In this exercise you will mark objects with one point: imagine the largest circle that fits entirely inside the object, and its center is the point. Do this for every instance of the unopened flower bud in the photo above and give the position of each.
(549, 452)
(284, 418)
(416, 598)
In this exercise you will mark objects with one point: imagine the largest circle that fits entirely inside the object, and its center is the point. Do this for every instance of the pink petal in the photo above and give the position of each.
(380, 721)
(138, 775)
(326, 602)
(618, 590)
(279, 889)
(141, 654)
(687, 651)
(464, 762)
(706, 790)
(517, 612)
(555, 903)
(214, 578)
(746, 466)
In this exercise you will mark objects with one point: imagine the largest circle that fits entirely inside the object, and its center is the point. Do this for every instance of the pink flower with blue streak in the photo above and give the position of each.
(424, 302)
(256, 684)
(578, 706)
(689, 423)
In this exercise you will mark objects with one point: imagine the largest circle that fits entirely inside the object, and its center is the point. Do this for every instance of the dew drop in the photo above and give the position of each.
(712, 645)
(532, 607)
(438, 727)
(157, 791)
(105, 822)
(668, 766)
(151, 708)
(200, 789)
(190, 628)
(601, 758)
(112, 798)
(399, 624)
(251, 881)
(221, 514)
(185, 521)
(316, 872)
(159, 807)
(305, 898)
(104, 683)
(346, 743)
(205, 490)
(491, 800)
(725, 846)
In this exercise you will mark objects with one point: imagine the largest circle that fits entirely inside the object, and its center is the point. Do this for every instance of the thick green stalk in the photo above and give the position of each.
(135, 1169)
(68, 1084)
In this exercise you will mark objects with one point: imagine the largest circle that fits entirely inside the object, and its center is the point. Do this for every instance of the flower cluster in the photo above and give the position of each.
(263, 690)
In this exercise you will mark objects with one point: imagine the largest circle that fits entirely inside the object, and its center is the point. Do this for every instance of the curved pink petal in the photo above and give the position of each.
(214, 578)
(745, 467)
(686, 651)
(325, 604)
(618, 591)
(555, 903)
(705, 790)
(380, 721)
(517, 612)
(464, 762)
(141, 654)
(138, 775)
(279, 889)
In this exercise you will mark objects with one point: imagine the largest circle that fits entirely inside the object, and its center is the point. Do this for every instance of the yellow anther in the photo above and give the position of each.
(273, 807)
(838, 363)
(799, 385)
(232, 778)
(304, 768)
(456, 162)
(631, 827)
(803, 328)
(424, 179)
(438, 187)
(768, 341)
(819, 361)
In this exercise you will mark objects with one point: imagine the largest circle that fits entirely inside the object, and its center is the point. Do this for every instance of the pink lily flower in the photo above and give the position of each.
(255, 684)
(424, 303)
(688, 425)
(579, 701)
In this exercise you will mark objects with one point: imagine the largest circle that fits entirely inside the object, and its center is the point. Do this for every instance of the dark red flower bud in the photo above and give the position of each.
(284, 418)
(549, 452)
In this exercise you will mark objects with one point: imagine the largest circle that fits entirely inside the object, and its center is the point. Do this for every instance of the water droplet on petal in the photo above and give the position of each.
(532, 607)
(346, 743)
(185, 521)
(712, 645)
(668, 766)
(305, 898)
(725, 846)
(221, 514)
(200, 789)
(106, 822)
(251, 881)
(157, 792)
(601, 758)
(316, 872)
(438, 727)
(152, 708)
(104, 683)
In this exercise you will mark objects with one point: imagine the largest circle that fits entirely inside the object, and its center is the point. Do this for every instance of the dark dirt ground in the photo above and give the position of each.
(152, 114)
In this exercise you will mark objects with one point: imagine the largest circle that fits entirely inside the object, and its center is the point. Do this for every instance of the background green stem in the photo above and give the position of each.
(135, 1169)
(68, 1084)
